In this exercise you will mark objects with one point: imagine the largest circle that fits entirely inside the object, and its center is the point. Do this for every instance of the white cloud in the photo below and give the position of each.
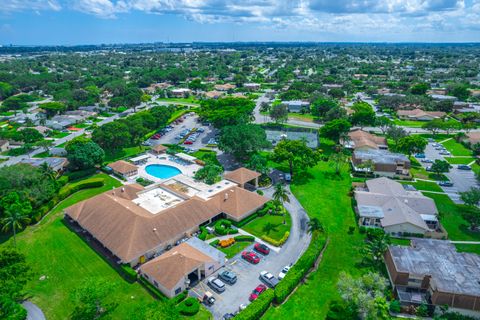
(32, 5)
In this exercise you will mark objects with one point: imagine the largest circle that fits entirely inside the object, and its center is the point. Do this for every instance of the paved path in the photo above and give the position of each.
(33, 311)
(248, 274)
(465, 242)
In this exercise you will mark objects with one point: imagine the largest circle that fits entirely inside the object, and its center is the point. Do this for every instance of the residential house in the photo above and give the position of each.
(297, 105)
(441, 97)
(472, 137)
(252, 86)
(57, 164)
(158, 149)
(182, 266)
(4, 145)
(432, 272)
(225, 87)
(213, 94)
(385, 163)
(135, 224)
(362, 140)
(243, 176)
(386, 204)
(420, 115)
(123, 168)
(181, 93)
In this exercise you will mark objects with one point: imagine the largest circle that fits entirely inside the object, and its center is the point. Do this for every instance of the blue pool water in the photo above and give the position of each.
(162, 171)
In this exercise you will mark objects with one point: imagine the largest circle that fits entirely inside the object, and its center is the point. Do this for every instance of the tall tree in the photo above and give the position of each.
(440, 166)
(84, 153)
(90, 300)
(321, 106)
(411, 144)
(112, 136)
(297, 154)
(363, 114)
(279, 113)
(335, 129)
(396, 133)
(16, 215)
(471, 197)
(280, 195)
(242, 140)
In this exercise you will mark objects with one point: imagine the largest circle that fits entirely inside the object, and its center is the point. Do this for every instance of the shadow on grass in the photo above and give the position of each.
(302, 178)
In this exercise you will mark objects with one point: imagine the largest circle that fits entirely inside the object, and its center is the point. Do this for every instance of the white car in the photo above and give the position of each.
(269, 279)
(283, 273)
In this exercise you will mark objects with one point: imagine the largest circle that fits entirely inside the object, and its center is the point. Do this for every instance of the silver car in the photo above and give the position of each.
(216, 284)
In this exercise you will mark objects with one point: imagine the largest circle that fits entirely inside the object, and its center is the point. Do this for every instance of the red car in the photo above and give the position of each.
(257, 291)
(188, 142)
(263, 249)
(250, 257)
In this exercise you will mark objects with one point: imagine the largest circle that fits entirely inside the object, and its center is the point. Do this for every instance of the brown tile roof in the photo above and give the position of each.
(169, 268)
(159, 148)
(122, 166)
(130, 231)
(420, 113)
(362, 138)
(3, 142)
(473, 137)
(241, 175)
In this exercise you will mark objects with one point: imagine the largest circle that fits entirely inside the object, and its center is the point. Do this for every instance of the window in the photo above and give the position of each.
(210, 268)
(178, 290)
(155, 283)
(146, 276)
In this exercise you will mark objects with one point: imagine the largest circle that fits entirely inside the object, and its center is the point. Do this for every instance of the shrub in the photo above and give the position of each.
(246, 220)
(203, 233)
(224, 227)
(362, 229)
(260, 192)
(299, 269)
(244, 238)
(214, 243)
(182, 296)
(152, 289)
(351, 229)
(129, 273)
(257, 308)
(80, 174)
(189, 307)
(63, 180)
(395, 306)
(276, 243)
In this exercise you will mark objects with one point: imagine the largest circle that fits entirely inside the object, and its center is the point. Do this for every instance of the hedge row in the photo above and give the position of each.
(129, 273)
(214, 243)
(299, 269)
(80, 174)
(182, 296)
(66, 191)
(276, 243)
(189, 307)
(243, 222)
(203, 233)
(258, 307)
(244, 238)
(152, 289)
(224, 227)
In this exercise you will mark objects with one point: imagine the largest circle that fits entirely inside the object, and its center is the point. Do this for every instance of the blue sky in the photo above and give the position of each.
(48, 22)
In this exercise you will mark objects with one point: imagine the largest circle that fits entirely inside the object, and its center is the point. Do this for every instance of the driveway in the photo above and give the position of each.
(462, 180)
(33, 311)
(248, 274)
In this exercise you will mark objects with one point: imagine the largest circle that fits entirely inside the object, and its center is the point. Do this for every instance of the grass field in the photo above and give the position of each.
(453, 160)
(324, 195)
(61, 135)
(124, 153)
(260, 226)
(424, 185)
(190, 100)
(400, 242)
(235, 248)
(438, 137)
(409, 123)
(67, 261)
(457, 149)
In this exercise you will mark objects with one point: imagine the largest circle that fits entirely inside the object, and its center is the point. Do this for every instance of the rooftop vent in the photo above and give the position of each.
(123, 189)
(154, 229)
(226, 197)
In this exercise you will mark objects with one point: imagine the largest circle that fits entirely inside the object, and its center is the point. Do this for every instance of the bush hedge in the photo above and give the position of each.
(299, 269)
(203, 233)
(244, 238)
(189, 307)
(182, 296)
(152, 289)
(243, 222)
(80, 174)
(214, 243)
(224, 227)
(276, 243)
(128, 272)
(257, 308)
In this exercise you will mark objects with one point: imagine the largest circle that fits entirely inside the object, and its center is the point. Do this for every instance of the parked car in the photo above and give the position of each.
(200, 130)
(228, 276)
(426, 161)
(420, 155)
(269, 279)
(216, 284)
(228, 316)
(428, 168)
(250, 257)
(208, 298)
(283, 273)
(263, 249)
(188, 142)
(445, 153)
(257, 291)
(445, 184)
(463, 167)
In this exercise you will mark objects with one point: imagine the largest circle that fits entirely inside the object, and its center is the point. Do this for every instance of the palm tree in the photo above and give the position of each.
(376, 248)
(367, 166)
(315, 225)
(337, 159)
(280, 195)
(16, 217)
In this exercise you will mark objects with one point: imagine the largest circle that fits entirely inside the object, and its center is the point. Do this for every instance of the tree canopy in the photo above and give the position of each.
(227, 111)
(297, 154)
(335, 129)
(242, 140)
(84, 153)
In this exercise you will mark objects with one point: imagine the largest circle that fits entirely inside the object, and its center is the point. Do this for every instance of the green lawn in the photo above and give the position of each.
(409, 123)
(66, 260)
(453, 160)
(61, 135)
(235, 248)
(124, 153)
(207, 156)
(190, 100)
(452, 221)
(457, 149)
(424, 185)
(326, 196)
(438, 137)
(269, 225)
(302, 117)
(44, 154)
(400, 242)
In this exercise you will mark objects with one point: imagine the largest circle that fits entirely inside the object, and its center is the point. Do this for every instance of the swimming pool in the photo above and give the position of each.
(162, 171)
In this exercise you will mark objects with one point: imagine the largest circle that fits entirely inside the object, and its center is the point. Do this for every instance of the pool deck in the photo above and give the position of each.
(188, 170)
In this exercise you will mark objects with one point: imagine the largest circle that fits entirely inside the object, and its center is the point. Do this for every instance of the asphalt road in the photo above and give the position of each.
(248, 274)
(462, 180)
(33, 311)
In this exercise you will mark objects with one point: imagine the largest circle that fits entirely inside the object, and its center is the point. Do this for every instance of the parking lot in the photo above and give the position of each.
(462, 180)
(190, 121)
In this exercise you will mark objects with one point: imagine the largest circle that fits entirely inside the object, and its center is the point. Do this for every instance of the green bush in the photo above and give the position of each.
(257, 308)
(129, 273)
(395, 306)
(152, 289)
(80, 174)
(224, 227)
(214, 243)
(203, 233)
(260, 192)
(63, 180)
(299, 269)
(189, 307)
(243, 222)
(276, 243)
(182, 296)
(244, 238)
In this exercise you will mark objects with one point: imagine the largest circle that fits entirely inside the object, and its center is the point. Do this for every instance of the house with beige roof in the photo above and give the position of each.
(242, 176)
(420, 115)
(123, 168)
(386, 204)
(182, 266)
(361, 140)
(472, 138)
(135, 223)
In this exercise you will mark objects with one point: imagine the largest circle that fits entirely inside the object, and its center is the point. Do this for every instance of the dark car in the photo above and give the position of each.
(228, 277)
(263, 249)
(250, 257)
(420, 155)
(464, 167)
(445, 184)
(227, 316)
(257, 291)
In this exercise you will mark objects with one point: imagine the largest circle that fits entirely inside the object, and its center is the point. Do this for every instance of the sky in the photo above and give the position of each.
(73, 22)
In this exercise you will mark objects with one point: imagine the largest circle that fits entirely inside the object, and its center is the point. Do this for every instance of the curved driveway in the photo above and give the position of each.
(33, 311)
(248, 274)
